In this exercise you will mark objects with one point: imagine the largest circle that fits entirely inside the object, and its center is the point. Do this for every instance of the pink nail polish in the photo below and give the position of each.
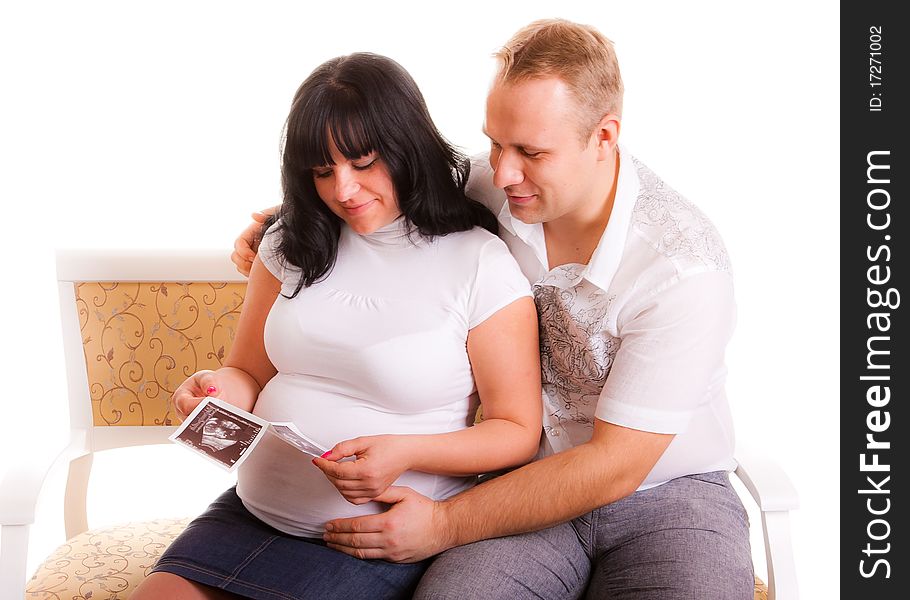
(326, 454)
(211, 390)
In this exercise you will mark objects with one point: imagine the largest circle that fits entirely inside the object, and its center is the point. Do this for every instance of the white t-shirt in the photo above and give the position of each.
(637, 336)
(377, 347)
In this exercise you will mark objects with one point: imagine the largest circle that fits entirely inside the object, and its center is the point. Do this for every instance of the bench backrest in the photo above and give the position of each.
(135, 325)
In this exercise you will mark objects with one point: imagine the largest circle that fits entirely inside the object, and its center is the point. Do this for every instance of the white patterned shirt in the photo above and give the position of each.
(637, 336)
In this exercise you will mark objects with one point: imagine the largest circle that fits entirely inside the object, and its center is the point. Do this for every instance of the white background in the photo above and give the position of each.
(157, 125)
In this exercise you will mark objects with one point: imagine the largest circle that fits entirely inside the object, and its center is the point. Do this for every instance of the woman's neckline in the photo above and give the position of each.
(397, 234)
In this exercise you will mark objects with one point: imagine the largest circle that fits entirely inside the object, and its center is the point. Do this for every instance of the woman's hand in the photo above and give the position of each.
(380, 460)
(192, 391)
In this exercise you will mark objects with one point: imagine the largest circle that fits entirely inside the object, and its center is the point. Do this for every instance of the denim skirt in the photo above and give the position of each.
(229, 549)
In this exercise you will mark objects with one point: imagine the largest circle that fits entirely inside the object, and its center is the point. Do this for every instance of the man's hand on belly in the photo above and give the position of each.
(411, 530)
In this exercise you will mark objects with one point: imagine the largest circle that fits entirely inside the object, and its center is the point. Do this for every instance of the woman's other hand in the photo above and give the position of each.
(379, 461)
(192, 391)
(247, 243)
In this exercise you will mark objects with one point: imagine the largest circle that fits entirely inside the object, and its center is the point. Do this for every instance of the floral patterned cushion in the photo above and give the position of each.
(103, 564)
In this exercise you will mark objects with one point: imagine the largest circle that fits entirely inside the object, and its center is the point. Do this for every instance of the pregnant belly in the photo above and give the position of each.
(281, 486)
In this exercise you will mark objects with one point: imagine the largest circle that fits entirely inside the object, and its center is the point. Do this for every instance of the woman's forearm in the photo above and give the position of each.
(508, 384)
(488, 446)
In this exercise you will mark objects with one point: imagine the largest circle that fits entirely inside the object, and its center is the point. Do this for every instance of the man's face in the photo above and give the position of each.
(536, 152)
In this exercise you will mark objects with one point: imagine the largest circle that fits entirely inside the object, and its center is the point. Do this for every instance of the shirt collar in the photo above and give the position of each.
(605, 260)
(608, 254)
(531, 234)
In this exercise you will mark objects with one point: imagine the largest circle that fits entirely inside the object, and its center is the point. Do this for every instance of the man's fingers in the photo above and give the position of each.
(367, 524)
(242, 249)
(243, 266)
(363, 541)
(362, 553)
(243, 245)
(239, 258)
(246, 245)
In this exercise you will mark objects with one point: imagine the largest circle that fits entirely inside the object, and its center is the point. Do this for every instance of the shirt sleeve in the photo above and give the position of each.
(268, 252)
(671, 356)
(498, 283)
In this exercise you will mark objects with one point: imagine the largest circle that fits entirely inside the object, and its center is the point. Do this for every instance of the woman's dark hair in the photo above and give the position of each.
(367, 103)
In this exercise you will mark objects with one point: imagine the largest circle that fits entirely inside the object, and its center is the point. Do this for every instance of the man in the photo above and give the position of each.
(630, 497)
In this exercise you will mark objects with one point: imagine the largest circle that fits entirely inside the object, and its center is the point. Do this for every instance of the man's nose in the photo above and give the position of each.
(507, 169)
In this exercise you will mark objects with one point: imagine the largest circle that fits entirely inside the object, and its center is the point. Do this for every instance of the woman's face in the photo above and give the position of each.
(360, 191)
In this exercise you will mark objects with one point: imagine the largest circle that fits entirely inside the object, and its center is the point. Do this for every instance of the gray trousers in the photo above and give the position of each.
(687, 538)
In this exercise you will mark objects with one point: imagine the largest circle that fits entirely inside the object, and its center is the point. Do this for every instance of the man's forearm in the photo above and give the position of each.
(552, 490)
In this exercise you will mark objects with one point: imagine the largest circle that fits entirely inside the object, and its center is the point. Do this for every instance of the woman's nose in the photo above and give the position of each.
(346, 184)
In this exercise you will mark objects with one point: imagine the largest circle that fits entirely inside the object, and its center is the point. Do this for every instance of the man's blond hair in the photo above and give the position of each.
(577, 54)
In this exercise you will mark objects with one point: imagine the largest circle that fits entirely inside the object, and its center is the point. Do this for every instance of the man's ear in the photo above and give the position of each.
(607, 136)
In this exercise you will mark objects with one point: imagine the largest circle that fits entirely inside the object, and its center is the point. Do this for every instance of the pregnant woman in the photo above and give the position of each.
(381, 310)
